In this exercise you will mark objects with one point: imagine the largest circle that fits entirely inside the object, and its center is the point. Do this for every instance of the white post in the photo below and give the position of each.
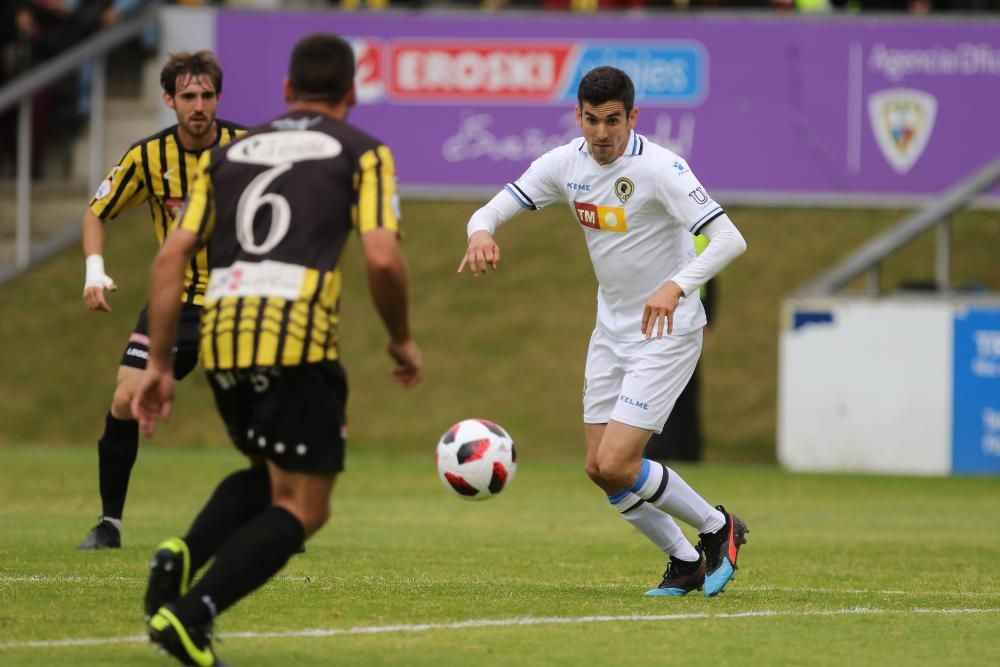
(22, 239)
(98, 98)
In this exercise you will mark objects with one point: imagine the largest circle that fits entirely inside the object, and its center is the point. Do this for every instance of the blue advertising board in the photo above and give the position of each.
(976, 391)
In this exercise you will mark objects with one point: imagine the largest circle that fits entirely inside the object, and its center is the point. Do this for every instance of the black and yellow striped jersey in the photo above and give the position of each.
(275, 209)
(158, 170)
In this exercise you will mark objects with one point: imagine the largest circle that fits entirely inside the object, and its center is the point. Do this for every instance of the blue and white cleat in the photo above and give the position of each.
(721, 550)
(681, 578)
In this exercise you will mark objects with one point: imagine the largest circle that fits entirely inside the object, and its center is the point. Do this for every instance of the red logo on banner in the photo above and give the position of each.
(503, 71)
(368, 69)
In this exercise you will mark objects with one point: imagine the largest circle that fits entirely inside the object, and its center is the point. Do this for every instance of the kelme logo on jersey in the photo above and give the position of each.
(665, 72)
(624, 189)
(603, 218)
(902, 121)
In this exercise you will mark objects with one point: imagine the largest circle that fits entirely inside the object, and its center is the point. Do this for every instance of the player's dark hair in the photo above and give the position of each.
(322, 69)
(186, 64)
(606, 84)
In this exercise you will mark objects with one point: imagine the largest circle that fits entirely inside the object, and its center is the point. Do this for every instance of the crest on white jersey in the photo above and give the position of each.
(624, 189)
(902, 121)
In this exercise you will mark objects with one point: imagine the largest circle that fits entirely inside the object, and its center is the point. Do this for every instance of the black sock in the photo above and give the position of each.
(116, 451)
(237, 499)
(251, 556)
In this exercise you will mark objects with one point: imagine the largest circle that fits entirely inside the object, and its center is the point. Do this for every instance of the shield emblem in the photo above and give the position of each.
(902, 121)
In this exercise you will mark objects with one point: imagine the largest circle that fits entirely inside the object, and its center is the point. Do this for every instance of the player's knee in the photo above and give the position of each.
(593, 472)
(314, 518)
(611, 472)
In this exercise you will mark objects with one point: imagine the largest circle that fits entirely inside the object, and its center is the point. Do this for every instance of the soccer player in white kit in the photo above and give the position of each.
(637, 204)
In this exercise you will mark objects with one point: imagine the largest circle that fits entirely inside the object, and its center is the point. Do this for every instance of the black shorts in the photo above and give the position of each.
(185, 348)
(293, 415)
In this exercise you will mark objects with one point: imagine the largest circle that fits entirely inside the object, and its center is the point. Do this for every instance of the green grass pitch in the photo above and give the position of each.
(838, 570)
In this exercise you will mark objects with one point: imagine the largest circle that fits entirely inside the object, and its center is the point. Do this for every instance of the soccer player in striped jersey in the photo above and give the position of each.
(637, 205)
(157, 171)
(275, 210)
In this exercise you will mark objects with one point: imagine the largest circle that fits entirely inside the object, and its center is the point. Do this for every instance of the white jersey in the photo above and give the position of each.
(637, 213)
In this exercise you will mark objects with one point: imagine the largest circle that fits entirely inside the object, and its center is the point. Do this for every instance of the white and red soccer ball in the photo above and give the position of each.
(476, 459)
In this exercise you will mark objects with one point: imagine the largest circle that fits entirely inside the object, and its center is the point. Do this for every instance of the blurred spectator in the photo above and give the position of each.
(115, 12)
(34, 31)
(16, 28)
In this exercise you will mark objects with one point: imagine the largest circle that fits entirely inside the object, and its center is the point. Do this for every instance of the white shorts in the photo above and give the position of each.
(637, 383)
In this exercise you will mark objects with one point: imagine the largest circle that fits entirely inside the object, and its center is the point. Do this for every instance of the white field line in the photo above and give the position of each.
(502, 622)
(83, 579)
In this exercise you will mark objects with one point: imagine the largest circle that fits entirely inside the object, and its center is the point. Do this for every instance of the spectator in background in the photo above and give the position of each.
(16, 28)
(33, 31)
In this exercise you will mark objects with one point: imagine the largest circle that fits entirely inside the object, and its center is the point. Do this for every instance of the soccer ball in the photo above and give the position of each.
(476, 459)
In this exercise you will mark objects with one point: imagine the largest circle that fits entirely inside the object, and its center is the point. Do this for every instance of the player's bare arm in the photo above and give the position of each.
(388, 281)
(482, 253)
(154, 397)
(96, 280)
(659, 310)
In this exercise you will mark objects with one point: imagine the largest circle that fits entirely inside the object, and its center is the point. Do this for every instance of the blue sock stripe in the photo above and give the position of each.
(618, 497)
(641, 479)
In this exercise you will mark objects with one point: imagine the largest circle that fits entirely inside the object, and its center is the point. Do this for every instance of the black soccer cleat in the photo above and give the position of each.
(721, 550)
(191, 645)
(169, 575)
(681, 577)
(102, 536)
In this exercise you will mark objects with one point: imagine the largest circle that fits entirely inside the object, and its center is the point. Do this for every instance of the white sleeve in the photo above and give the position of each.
(685, 199)
(725, 243)
(497, 211)
(533, 190)
(541, 184)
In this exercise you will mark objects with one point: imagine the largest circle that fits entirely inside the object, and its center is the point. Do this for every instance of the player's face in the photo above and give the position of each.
(194, 102)
(606, 128)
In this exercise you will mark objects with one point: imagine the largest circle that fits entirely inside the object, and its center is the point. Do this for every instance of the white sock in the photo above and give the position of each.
(659, 527)
(117, 523)
(666, 490)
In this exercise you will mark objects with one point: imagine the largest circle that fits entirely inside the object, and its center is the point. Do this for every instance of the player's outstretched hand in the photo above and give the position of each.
(153, 399)
(482, 252)
(93, 292)
(659, 310)
(409, 360)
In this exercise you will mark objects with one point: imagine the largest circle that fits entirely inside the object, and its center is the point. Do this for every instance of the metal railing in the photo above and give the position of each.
(867, 259)
(21, 91)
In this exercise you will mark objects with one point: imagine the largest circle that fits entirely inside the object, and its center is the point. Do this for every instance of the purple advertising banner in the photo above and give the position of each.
(761, 106)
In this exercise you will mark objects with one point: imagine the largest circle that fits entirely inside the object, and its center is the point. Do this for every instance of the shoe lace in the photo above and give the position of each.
(668, 574)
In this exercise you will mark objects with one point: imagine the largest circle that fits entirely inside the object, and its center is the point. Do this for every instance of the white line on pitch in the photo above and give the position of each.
(763, 588)
(495, 623)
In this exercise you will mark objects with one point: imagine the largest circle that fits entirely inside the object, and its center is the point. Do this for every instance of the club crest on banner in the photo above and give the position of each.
(902, 121)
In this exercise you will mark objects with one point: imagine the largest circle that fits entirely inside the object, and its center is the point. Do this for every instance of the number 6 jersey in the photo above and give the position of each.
(275, 209)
